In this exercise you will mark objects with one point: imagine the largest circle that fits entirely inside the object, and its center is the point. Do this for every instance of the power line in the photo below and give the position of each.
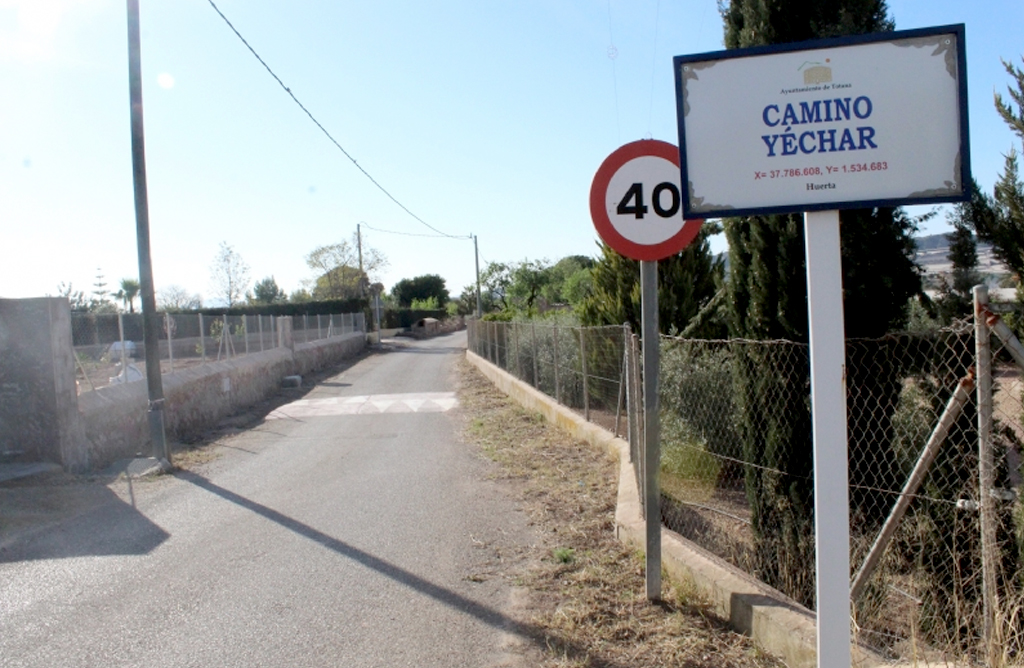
(322, 128)
(613, 53)
(654, 65)
(411, 234)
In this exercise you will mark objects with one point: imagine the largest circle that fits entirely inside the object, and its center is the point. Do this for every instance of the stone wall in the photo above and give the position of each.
(196, 398)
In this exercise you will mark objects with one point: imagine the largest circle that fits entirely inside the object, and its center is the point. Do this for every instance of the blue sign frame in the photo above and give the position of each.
(690, 211)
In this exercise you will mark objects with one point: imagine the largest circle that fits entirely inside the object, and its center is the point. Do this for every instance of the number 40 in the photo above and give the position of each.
(633, 201)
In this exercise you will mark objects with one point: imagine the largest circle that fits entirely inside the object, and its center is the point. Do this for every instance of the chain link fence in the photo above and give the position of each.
(938, 565)
(109, 348)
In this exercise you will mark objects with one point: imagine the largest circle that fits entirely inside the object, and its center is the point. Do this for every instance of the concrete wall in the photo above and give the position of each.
(196, 398)
(38, 398)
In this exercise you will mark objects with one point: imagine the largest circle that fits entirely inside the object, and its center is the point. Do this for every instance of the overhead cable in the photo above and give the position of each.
(322, 128)
(412, 234)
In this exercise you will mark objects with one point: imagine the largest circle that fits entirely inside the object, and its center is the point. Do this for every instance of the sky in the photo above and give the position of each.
(486, 118)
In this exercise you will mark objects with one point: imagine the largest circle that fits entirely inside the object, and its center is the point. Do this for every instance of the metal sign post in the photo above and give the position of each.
(828, 418)
(652, 426)
(635, 202)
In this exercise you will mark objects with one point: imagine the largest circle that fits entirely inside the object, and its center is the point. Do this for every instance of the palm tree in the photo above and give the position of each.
(128, 292)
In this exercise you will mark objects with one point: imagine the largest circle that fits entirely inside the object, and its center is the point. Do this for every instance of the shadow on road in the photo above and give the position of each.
(494, 618)
(61, 522)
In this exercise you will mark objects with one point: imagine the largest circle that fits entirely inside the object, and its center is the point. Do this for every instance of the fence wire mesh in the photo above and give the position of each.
(109, 348)
(737, 468)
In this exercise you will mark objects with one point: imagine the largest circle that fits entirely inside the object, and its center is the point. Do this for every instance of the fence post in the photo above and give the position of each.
(259, 326)
(318, 335)
(202, 338)
(583, 359)
(124, 360)
(536, 377)
(558, 384)
(622, 379)
(245, 329)
(229, 348)
(501, 336)
(986, 473)
(638, 424)
(519, 356)
(170, 342)
(493, 343)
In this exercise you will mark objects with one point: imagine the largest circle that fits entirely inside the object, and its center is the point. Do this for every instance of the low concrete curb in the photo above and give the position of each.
(777, 624)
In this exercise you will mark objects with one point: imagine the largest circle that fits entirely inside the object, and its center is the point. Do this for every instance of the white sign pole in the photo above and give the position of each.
(828, 405)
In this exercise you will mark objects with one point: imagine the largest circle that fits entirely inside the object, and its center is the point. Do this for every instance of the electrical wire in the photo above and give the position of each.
(322, 128)
(412, 234)
(654, 66)
(613, 53)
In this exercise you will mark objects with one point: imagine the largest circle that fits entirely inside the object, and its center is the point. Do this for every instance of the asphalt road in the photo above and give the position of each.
(353, 529)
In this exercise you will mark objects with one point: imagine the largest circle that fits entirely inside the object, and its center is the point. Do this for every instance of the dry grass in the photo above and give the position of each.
(587, 589)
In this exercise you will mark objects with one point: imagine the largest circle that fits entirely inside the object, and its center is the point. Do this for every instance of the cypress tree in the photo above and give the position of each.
(956, 299)
(768, 300)
(686, 281)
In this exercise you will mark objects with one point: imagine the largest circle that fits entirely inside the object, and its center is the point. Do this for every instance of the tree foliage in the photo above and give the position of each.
(569, 280)
(230, 275)
(466, 303)
(955, 291)
(686, 282)
(76, 298)
(267, 291)
(100, 300)
(533, 286)
(421, 288)
(337, 269)
(176, 298)
(1004, 227)
(127, 293)
(768, 300)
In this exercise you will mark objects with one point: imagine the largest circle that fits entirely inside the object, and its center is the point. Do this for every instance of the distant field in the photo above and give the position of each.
(932, 255)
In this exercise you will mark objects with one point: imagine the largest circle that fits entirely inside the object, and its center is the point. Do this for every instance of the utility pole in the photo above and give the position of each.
(479, 303)
(360, 283)
(151, 325)
(359, 245)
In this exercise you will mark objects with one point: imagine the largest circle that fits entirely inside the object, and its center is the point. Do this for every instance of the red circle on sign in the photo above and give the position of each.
(599, 210)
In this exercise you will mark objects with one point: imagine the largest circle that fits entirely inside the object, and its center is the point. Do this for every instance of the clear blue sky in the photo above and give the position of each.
(481, 117)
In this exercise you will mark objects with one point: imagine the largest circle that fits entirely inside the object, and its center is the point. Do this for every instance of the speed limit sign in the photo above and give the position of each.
(636, 203)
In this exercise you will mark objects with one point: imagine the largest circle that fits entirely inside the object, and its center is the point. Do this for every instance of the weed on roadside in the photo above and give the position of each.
(586, 588)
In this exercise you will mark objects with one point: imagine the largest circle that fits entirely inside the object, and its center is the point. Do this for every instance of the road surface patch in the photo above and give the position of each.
(422, 402)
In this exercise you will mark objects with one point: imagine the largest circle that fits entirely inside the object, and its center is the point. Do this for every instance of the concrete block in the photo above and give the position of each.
(38, 394)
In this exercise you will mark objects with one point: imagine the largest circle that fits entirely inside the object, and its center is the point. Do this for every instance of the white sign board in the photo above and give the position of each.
(846, 123)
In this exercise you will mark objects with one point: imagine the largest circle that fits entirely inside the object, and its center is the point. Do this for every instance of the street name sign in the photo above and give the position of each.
(871, 120)
(815, 127)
